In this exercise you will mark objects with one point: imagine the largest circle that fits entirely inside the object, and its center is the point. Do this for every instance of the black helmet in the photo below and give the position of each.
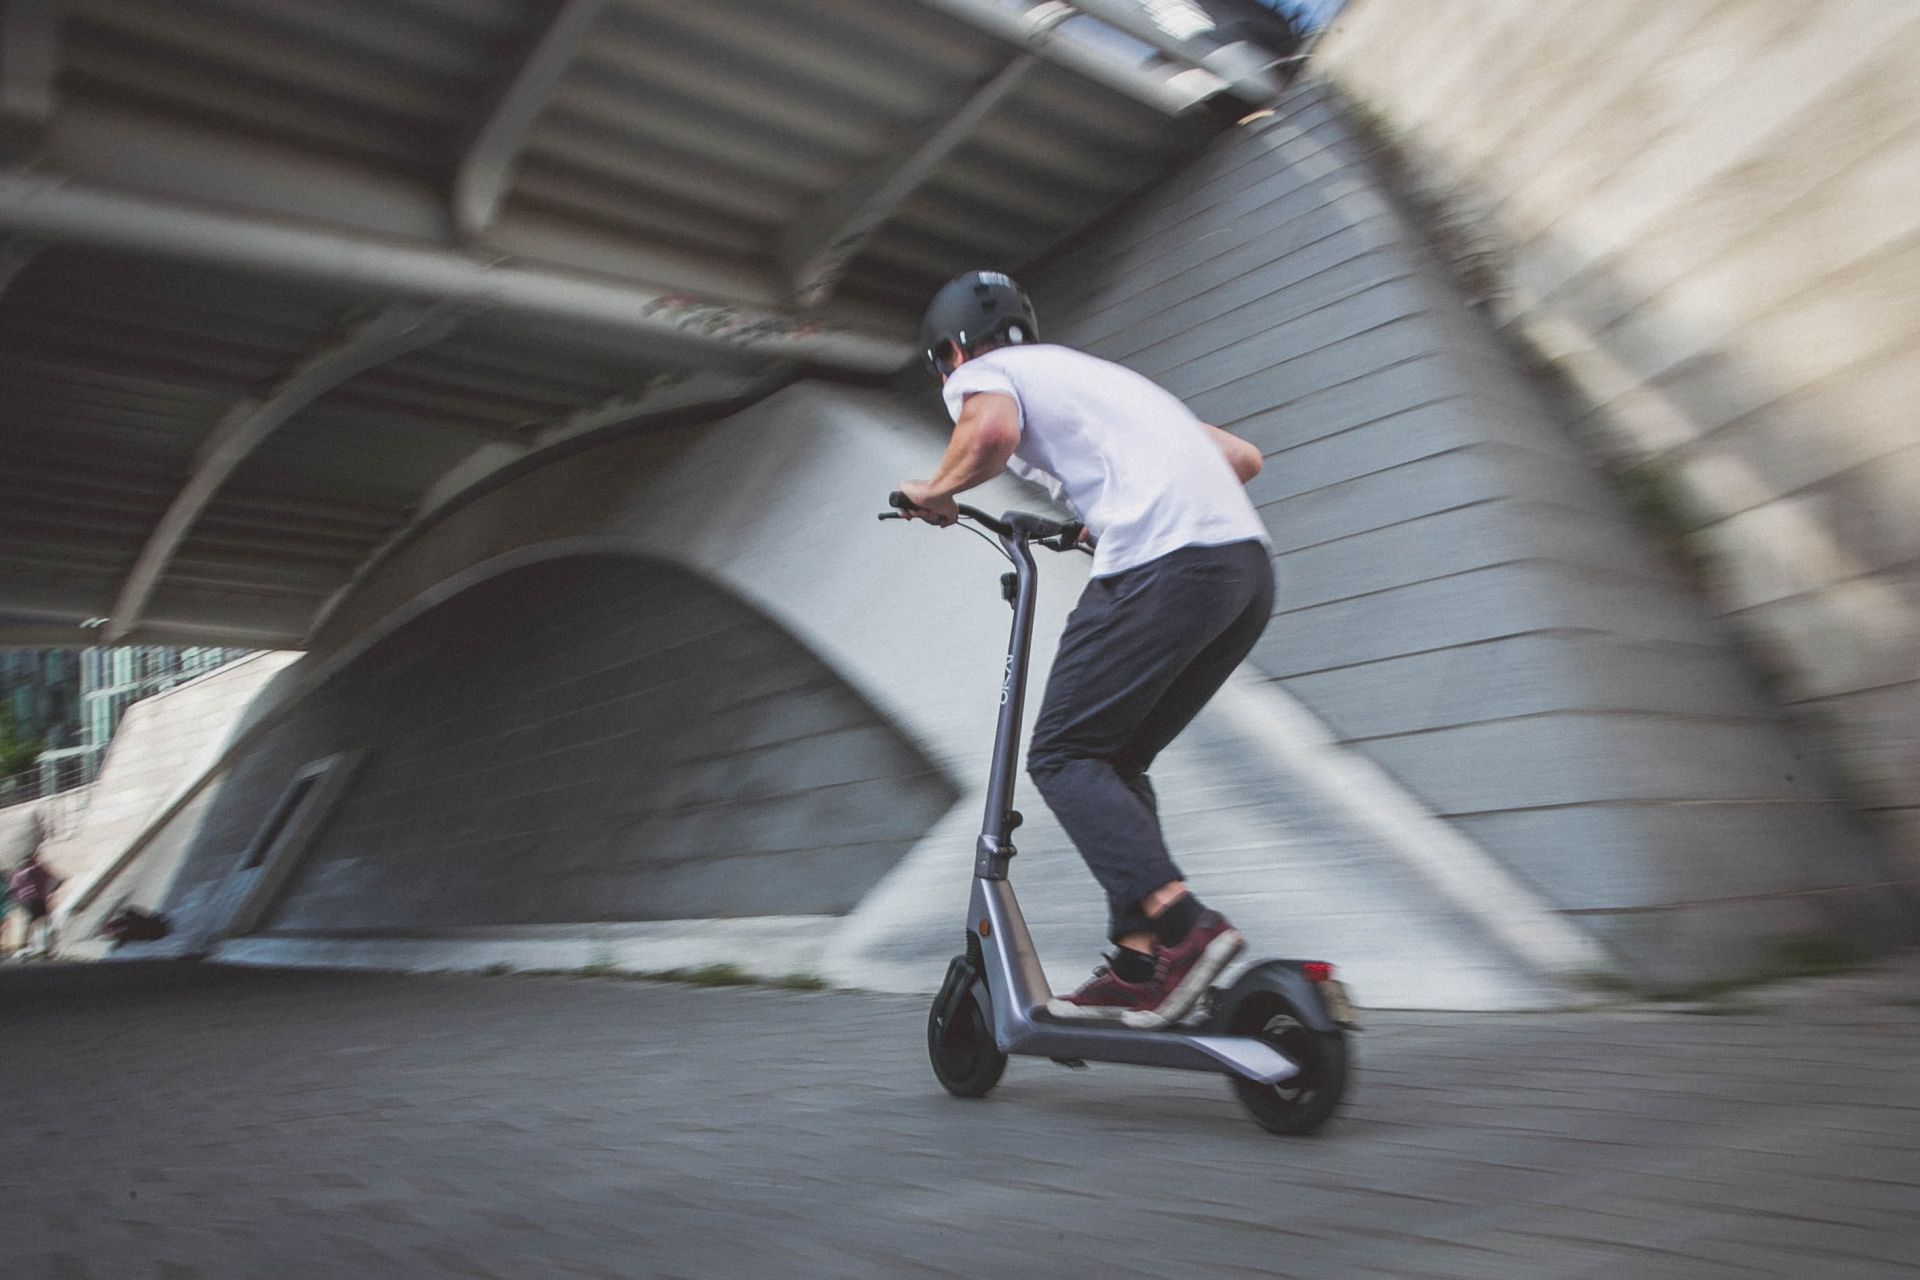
(971, 310)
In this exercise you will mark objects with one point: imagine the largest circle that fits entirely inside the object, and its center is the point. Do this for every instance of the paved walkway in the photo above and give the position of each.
(180, 1122)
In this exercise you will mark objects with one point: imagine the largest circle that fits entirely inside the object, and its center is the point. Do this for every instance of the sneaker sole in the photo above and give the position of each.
(1218, 955)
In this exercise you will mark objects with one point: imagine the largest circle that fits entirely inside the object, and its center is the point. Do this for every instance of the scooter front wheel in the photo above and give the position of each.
(965, 1059)
(1303, 1102)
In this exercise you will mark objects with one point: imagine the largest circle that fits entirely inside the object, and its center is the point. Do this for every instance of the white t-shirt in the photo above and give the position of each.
(1133, 462)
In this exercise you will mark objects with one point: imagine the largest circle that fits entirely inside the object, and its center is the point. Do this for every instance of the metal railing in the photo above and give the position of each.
(55, 773)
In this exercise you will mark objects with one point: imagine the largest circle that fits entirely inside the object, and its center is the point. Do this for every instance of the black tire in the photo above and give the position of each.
(1303, 1103)
(965, 1059)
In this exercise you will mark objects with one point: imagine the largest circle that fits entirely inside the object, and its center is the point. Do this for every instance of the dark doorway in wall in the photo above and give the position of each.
(283, 812)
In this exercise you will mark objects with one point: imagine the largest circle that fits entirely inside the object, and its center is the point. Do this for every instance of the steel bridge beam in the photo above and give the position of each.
(480, 183)
(392, 333)
(1184, 32)
(711, 330)
(819, 248)
(1032, 29)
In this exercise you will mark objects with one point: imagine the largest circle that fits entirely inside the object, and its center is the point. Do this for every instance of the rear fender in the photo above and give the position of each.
(1283, 978)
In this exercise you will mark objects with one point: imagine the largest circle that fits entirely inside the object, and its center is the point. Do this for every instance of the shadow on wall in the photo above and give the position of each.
(594, 738)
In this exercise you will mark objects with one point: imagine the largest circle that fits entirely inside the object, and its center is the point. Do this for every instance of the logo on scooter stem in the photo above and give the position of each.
(1007, 683)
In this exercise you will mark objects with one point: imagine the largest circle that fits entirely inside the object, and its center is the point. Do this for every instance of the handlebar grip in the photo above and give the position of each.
(900, 502)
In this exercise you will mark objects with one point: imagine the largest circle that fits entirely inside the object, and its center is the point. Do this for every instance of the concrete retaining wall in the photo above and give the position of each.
(1707, 216)
(1461, 597)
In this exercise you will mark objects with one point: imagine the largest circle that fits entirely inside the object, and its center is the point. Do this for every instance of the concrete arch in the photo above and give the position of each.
(775, 507)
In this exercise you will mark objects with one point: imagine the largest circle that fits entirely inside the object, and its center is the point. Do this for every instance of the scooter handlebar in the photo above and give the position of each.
(1059, 535)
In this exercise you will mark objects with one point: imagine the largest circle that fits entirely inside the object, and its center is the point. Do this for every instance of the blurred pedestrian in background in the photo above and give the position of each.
(33, 888)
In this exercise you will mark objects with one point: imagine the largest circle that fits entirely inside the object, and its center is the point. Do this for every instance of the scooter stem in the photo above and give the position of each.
(1008, 965)
(996, 831)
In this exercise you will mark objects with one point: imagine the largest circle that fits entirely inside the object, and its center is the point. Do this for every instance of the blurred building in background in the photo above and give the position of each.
(63, 705)
(40, 695)
(112, 679)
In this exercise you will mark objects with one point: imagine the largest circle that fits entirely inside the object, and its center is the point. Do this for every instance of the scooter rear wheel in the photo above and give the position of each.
(1301, 1103)
(965, 1059)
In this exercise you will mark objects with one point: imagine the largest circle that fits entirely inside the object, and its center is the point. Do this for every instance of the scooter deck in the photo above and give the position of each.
(1043, 1036)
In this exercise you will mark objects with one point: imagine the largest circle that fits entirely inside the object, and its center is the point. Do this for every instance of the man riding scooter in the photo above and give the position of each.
(1182, 587)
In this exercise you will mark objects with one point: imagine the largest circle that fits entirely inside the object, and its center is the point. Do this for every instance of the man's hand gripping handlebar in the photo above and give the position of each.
(1056, 535)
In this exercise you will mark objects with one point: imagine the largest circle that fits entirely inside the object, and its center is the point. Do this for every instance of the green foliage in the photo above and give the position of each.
(595, 969)
(17, 754)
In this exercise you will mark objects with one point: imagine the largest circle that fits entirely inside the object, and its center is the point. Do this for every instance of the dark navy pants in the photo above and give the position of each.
(1143, 651)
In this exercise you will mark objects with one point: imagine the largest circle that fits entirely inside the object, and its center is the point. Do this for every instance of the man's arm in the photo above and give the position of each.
(1241, 455)
(984, 437)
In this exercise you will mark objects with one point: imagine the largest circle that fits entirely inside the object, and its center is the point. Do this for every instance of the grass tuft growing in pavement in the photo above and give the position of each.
(727, 975)
(1797, 956)
(712, 975)
(801, 982)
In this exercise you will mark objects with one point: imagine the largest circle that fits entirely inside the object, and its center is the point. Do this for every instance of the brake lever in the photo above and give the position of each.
(1068, 539)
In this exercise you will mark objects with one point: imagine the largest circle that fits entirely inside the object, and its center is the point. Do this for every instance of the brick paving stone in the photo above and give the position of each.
(186, 1121)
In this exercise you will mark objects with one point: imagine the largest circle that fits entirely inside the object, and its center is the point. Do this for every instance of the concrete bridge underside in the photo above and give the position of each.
(660, 692)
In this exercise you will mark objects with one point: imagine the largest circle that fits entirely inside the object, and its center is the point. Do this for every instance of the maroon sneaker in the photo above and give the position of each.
(1186, 967)
(1106, 997)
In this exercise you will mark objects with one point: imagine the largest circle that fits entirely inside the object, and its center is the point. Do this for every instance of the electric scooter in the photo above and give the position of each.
(1278, 1033)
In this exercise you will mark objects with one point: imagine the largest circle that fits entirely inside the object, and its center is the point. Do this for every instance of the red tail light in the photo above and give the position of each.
(1316, 971)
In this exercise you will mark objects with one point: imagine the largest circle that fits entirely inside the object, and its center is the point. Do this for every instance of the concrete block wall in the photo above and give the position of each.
(582, 739)
(1462, 597)
(1707, 217)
